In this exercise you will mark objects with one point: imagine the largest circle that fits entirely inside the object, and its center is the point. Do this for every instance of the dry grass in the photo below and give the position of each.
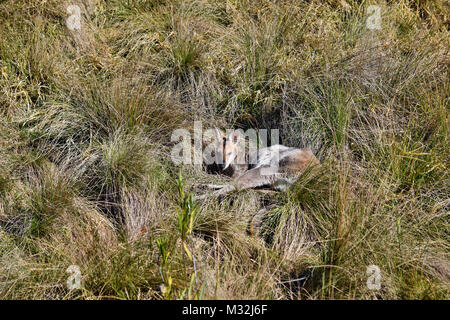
(86, 177)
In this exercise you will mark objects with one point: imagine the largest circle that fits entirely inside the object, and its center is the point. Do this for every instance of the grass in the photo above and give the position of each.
(86, 177)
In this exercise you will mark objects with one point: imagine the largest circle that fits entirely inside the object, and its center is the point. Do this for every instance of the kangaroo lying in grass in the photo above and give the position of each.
(276, 166)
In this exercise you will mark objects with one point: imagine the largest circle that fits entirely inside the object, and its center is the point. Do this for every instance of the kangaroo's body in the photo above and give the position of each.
(276, 166)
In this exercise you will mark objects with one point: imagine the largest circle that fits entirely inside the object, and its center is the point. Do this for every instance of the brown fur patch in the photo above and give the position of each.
(298, 161)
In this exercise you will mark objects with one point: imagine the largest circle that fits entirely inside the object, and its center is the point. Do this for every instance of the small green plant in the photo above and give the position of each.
(164, 267)
(186, 215)
(185, 221)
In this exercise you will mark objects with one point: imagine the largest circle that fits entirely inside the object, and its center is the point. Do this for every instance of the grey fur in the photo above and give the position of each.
(277, 167)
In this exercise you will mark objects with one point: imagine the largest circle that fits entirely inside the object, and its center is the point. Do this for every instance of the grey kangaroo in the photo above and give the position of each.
(276, 166)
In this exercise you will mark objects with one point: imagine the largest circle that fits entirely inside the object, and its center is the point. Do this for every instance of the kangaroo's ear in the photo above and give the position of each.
(234, 136)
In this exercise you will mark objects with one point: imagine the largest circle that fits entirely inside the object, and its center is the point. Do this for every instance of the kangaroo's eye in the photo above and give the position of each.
(229, 154)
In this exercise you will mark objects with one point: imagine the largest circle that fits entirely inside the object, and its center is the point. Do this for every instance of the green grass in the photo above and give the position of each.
(86, 178)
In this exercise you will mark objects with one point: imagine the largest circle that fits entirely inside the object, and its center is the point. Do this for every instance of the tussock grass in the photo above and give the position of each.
(86, 178)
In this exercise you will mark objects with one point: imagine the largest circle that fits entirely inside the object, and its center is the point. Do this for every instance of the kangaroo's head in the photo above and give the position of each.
(227, 148)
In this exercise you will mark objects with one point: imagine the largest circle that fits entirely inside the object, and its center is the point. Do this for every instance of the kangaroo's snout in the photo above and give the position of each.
(227, 149)
(229, 154)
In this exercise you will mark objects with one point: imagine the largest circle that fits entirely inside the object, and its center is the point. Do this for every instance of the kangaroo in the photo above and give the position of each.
(276, 166)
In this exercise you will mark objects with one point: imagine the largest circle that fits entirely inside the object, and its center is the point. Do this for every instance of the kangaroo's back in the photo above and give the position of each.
(296, 160)
(288, 159)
